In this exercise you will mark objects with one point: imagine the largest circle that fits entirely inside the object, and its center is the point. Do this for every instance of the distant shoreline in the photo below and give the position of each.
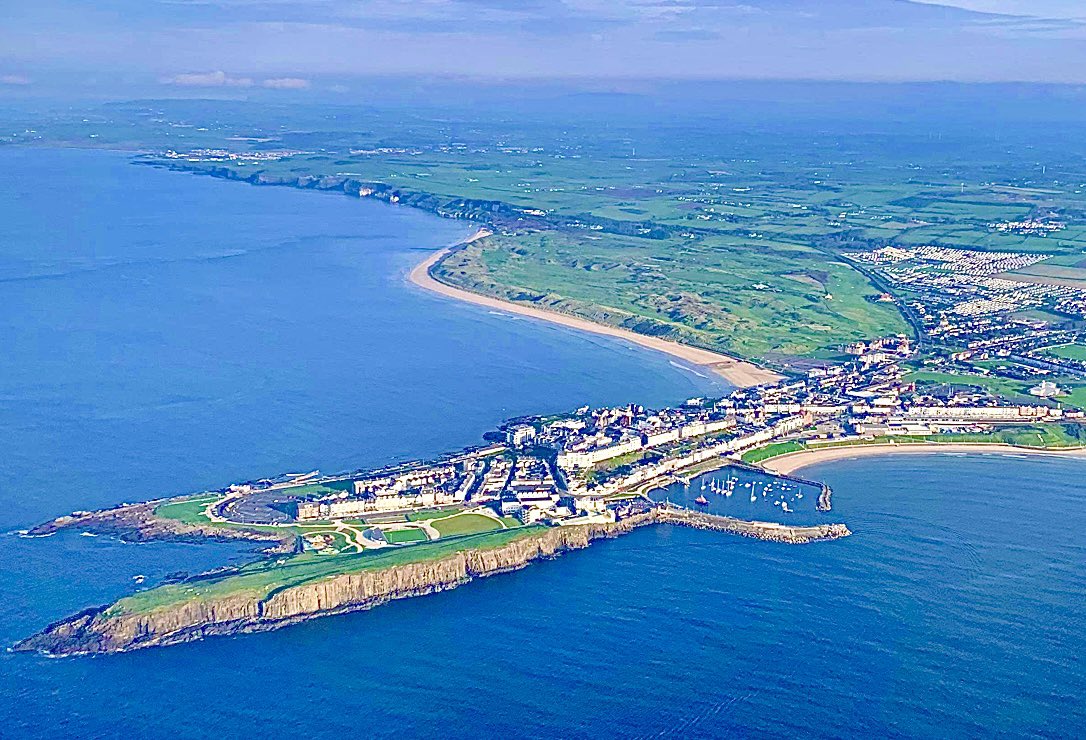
(737, 372)
(794, 461)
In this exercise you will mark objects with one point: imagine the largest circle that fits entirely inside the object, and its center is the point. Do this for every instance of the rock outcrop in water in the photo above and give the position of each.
(106, 630)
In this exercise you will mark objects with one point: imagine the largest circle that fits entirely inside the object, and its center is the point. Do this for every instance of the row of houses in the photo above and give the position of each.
(575, 459)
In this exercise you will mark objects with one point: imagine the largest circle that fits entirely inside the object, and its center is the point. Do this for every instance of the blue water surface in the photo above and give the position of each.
(164, 333)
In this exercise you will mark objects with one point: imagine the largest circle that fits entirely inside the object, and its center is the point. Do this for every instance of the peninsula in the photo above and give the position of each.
(539, 487)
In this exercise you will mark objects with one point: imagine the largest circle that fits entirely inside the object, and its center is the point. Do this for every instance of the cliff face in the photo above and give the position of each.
(97, 631)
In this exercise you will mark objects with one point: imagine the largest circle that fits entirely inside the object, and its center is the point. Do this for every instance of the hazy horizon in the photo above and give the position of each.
(122, 48)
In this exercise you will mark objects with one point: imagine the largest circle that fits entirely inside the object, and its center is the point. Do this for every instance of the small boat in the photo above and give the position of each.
(701, 501)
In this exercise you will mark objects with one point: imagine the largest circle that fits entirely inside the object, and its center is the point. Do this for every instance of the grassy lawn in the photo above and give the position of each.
(1015, 391)
(260, 579)
(189, 511)
(1049, 436)
(777, 448)
(1069, 352)
(437, 513)
(462, 524)
(404, 536)
(339, 541)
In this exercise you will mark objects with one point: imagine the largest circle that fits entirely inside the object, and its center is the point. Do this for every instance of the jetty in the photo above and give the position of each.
(669, 513)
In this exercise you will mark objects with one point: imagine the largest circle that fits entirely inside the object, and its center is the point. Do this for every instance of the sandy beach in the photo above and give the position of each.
(737, 372)
(794, 461)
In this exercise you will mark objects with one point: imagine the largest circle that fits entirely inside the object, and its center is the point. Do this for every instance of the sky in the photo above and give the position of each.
(287, 46)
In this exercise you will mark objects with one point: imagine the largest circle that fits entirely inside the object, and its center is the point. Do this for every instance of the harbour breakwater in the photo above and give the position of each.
(113, 629)
(769, 531)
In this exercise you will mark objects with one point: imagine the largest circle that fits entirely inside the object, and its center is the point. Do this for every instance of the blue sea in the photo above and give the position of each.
(164, 333)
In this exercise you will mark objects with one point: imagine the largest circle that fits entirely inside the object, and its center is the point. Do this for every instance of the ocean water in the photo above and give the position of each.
(163, 333)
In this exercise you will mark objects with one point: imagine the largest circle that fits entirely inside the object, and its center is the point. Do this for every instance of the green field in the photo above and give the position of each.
(1015, 391)
(463, 524)
(262, 578)
(1045, 436)
(776, 449)
(404, 536)
(424, 514)
(1069, 352)
(189, 510)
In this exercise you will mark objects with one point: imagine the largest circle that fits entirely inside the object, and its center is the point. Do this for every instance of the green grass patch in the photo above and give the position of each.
(404, 536)
(462, 524)
(436, 513)
(759, 454)
(1039, 436)
(188, 511)
(1069, 352)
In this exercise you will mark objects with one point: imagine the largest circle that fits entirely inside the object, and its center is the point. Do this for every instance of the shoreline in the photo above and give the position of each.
(738, 373)
(123, 626)
(794, 461)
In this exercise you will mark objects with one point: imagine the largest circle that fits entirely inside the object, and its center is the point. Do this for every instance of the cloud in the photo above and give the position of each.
(683, 35)
(1067, 10)
(14, 80)
(286, 83)
(207, 79)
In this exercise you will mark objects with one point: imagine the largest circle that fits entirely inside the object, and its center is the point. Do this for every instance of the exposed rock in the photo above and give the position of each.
(138, 523)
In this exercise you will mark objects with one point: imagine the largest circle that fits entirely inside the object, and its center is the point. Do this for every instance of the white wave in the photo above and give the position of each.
(687, 369)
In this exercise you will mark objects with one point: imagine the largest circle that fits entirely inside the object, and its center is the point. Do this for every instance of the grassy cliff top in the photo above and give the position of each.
(261, 579)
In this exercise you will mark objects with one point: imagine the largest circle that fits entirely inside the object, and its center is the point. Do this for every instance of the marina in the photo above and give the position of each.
(746, 492)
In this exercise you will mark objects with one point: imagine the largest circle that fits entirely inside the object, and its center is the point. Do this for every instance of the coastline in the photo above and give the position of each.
(259, 605)
(739, 373)
(794, 461)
